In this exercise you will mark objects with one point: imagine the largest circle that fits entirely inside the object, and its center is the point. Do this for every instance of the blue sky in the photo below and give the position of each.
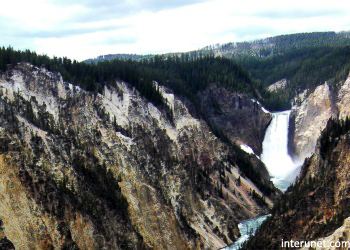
(81, 29)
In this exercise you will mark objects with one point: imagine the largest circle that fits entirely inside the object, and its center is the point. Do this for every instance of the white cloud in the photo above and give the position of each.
(83, 29)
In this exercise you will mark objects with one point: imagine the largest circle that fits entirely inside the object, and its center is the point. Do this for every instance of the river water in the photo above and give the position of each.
(279, 164)
(247, 228)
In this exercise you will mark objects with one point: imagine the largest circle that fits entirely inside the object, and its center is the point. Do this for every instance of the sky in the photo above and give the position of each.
(82, 29)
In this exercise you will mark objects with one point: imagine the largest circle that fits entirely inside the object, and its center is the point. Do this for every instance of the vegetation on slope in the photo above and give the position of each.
(279, 45)
(305, 60)
(186, 77)
(303, 68)
(183, 76)
(109, 57)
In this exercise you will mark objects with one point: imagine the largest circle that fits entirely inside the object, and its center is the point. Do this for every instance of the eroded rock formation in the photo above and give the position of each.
(111, 171)
(242, 119)
(308, 120)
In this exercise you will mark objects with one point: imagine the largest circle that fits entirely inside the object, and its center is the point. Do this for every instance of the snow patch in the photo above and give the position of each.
(265, 110)
(248, 150)
(262, 107)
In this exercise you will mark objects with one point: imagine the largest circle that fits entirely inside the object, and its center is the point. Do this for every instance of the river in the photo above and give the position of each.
(247, 228)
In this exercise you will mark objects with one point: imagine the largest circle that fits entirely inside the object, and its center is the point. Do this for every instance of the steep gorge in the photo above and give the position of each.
(110, 170)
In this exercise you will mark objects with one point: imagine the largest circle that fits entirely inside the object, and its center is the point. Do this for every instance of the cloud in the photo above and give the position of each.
(83, 29)
(252, 31)
(129, 5)
(68, 32)
(297, 13)
(107, 9)
(117, 40)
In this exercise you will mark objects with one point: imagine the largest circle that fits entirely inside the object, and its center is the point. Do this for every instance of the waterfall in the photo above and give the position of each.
(279, 164)
(275, 150)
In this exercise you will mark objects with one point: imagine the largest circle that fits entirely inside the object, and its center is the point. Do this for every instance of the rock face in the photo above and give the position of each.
(241, 119)
(110, 171)
(316, 206)
(308, 120)
(281, 84)
(343, 103)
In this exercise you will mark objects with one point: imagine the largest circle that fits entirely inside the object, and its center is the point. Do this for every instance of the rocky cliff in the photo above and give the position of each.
(112, 171)
(242, 119)
(309, 119)
(281, 84)
(343, 99)
(311, 114)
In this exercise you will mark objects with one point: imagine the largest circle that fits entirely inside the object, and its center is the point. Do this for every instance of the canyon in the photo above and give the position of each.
(177, 155)
(112, 171)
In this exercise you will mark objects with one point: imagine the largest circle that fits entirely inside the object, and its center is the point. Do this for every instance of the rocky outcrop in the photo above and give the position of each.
(239, 118)
(281, 84)
(316, 206)
(311, 115)
(308, 120)
(111, 171)
(343, 102)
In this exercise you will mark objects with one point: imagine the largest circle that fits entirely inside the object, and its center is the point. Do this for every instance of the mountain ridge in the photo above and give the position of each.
(260, 48)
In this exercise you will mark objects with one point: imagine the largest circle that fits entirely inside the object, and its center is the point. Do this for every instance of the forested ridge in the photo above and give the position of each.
(266, 47)
(281, 44)
(303, 68)
(306, 60)
(185, 77)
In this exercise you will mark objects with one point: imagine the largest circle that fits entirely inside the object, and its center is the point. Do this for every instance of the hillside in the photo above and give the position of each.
(124, 162)
(302, 60)
(267, 47)
(109, 57)
(279, 45)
